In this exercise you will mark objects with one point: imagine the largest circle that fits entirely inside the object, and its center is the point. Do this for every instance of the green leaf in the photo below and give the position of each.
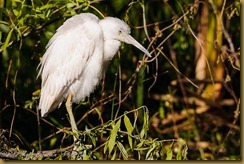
(53, 141)
(6, 43)
(113, 135)
(153, 150)
(122, 150)
(4, 28)
(141, 149)
(47, 6)
(182, 150)
(17, 1)
(143, 133)
(150, 152)
(114, 155)
(42, 16)
(179, 155)
(81, 1)
(170, 152)
(129, 129)
(16, 12)
(161, 112)
(141, 146)
(105, 148)
(70, 5)
(128, 124)
(86, 157)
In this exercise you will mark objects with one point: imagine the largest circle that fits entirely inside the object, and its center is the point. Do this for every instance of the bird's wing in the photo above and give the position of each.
(68, 53)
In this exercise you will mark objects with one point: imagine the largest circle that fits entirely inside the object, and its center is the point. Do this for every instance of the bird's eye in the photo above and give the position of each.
(120, 31)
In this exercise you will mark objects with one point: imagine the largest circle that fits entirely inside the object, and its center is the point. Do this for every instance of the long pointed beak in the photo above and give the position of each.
(130, 40)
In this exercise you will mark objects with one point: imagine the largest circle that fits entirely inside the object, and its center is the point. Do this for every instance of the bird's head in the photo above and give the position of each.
(116, 29)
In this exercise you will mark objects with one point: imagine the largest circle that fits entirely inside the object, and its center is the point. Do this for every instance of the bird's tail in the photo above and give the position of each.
(49, 102)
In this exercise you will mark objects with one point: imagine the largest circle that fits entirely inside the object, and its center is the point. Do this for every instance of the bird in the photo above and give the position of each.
(76, 59)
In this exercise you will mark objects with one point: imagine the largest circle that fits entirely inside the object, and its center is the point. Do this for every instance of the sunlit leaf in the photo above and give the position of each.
(46, 6)
(169, 153)
(16, 12)
(70, 5)
(179, 155)
(143, 133)
(150, 152)
(113, 135)
(181, 145)
(105, 148)
(86, 157)
(184, 152)
(128, 124)
(140, 149)
(122, 150)
(129, 129)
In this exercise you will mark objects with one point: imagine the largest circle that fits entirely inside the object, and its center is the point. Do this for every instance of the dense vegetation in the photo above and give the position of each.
(183, 103)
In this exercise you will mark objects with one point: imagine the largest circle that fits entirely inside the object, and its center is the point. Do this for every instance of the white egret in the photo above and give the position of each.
(76, 58)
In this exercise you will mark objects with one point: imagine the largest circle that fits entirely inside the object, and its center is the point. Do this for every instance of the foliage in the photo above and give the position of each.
(161, 108)
(116, 144)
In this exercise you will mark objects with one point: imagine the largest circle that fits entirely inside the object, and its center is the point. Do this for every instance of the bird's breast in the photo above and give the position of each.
(86, 83)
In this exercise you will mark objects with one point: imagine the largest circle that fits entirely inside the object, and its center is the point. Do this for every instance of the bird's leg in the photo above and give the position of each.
(68, 105)
(101, 104)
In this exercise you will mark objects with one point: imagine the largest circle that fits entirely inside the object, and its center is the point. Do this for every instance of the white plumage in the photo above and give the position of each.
(77, 56)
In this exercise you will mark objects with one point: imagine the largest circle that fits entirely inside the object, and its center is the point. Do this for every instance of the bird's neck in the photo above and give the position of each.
(111, 47)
